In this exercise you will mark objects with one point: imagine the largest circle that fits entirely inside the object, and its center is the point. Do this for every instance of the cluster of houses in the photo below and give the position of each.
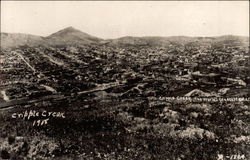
(73, 68)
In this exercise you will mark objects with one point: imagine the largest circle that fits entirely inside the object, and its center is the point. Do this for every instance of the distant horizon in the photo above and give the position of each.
(116, 19)
(130, 35)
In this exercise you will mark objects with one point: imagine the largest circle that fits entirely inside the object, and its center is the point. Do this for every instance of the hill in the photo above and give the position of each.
(12, 40)
(67, 36)
(180, 40)
(72, 36)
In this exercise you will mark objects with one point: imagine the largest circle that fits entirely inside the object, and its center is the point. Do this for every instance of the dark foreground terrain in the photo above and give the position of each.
(130, 98)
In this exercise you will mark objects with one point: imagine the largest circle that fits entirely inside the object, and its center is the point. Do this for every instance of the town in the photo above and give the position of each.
(127, 98)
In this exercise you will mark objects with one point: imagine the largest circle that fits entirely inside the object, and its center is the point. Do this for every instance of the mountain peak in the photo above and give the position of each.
(68, 30)
(70, 35)
(70, 27)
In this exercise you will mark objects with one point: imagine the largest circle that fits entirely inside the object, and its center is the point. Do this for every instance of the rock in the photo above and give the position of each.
(198, 93)
(194, 114)
(223, 91)
(170, 115)
(194, 133)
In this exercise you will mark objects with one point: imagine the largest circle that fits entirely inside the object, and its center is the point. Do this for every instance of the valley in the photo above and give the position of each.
(116, 97)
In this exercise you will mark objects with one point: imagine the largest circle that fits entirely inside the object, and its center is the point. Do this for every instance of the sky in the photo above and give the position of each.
(113, 19)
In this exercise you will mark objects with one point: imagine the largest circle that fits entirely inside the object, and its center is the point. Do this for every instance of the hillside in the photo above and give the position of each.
(67, 36)
(11, 40)
(72, 36)
(181, 40)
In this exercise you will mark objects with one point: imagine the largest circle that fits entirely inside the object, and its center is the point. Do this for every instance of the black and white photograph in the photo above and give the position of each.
(124, 80)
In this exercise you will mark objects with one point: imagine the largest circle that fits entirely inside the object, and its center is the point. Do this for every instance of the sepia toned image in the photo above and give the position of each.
(125, 80)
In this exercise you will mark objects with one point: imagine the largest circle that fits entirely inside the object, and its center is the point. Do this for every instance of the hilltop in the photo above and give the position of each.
(70, 36)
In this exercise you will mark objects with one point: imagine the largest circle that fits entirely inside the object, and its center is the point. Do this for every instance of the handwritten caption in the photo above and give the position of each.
(41, 117)
(207, 99)
(231, 157)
